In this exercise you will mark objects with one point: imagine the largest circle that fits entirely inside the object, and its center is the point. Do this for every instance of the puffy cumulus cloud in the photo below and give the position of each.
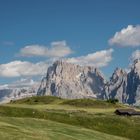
(135, 55)
(57, 49)
(127, 37)
(97, 59)
(22, 68)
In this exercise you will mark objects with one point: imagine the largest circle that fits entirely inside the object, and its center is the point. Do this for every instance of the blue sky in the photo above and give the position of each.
(83, 26)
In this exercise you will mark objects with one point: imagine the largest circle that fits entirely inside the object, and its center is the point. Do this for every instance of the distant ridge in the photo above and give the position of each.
(67, 80)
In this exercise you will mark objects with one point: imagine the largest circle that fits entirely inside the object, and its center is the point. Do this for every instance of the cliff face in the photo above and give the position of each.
(125, 86)
(68, 80)
(133, 83)
(117, 86)
(72, 81)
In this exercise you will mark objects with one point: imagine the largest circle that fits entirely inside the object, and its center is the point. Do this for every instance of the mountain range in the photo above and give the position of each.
(17, 90)
(67, 80)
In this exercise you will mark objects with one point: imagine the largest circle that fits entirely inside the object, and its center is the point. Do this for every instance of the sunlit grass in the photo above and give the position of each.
(82, 114)
(34, 129)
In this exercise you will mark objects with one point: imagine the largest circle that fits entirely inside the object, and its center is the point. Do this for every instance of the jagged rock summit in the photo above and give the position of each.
(116, 87)
(125, 86)
(72, 81)
(133, 83)
(67, 80)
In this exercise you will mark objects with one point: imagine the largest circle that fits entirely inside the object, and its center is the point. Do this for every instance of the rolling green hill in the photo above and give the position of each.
(80, 119)
(12, 128)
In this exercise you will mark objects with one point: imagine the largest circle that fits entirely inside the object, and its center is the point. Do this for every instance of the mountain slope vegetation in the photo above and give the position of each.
(88, 115)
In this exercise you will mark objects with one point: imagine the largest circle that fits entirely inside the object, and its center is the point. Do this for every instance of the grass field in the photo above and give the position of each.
(54, 118)
(38, 129)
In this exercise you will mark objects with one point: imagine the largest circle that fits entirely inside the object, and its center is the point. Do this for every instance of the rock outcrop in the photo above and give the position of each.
(72, 81)
(133, 83)
(125, 86)
(117, 86)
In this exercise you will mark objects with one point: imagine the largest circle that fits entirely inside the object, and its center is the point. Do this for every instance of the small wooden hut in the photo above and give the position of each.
(127, 112)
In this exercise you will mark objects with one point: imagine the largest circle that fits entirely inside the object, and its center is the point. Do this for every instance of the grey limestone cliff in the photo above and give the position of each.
(72, 81)
(125, 86)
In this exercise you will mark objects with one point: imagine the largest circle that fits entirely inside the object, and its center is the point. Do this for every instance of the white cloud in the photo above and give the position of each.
(127, 37)
(23, 82)
(22, 68)
(26, 69)
(97, 59)
(135, 55)
(57, 49)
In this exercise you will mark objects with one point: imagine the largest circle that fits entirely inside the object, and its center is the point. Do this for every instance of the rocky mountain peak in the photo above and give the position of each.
(72, 81)
(125, 86)
(136, 66)
(17, 90)
(118, 73)
(69, 80)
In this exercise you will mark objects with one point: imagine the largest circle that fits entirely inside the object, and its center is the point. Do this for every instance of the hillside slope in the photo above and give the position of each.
(85, 113)
(35, 129)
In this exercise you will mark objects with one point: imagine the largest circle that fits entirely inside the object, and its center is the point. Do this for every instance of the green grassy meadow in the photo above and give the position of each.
(12, 128)
(52, 118)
